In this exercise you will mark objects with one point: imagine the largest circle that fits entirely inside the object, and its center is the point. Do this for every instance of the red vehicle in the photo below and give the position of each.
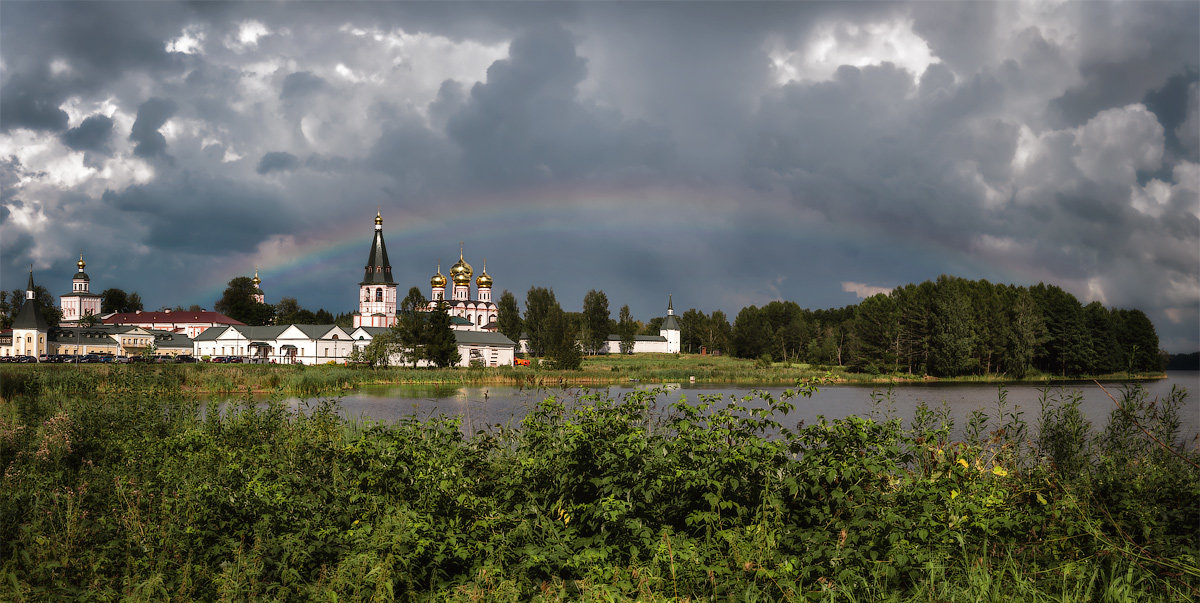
(520, 362)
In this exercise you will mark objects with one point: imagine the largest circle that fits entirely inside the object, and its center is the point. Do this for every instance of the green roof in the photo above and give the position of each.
(482, 338)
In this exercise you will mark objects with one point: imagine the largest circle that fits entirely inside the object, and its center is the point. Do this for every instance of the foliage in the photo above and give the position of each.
(508, 316)
(540, 309)
(238, 303)
(626, 329)
(141, 493)
(440, 347)
(595, 321)
(117, 300)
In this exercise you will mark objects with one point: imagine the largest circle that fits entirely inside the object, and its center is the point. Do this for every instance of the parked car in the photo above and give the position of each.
(184, 359)
(520, 362)
(26, 359)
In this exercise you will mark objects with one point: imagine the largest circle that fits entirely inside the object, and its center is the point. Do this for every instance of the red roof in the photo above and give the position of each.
(170, 317)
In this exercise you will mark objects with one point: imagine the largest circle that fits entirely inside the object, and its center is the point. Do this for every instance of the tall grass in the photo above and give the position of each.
(137, 491)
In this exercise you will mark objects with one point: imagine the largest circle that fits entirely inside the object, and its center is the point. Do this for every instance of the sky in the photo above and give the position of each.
(726, 154)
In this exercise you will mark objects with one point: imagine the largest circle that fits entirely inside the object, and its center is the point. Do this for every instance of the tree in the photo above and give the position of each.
(540, 305)
(751, 333)
(238, 303)
(380, 351)
(89, 319)
(691, 325)
(414, 302)
(287, 311)
(508, 317)
(717, 332)
(595, 321)
(441, 348)
(627, 329)
(116, 300)
(875, 325)
(410, 332)
(953, 336)
(563, 348)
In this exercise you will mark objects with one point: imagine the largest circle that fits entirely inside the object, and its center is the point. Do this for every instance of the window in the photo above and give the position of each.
(327, 351)
(335, 336)
(379, 295)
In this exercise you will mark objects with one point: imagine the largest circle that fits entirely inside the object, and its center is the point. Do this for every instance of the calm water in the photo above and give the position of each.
(483, 406)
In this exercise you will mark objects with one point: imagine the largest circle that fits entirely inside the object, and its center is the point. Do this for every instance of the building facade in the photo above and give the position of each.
(277, 344)
(184, 322)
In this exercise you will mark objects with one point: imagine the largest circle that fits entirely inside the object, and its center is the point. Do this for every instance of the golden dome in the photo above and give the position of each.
(379, 218)
(461, 270)
(438, 280)
(484, 280)
(257, 281)
(81, 263)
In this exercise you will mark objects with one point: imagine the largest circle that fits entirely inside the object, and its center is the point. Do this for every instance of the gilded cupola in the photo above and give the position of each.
(461, 270)
(484, 280)
(438, 280)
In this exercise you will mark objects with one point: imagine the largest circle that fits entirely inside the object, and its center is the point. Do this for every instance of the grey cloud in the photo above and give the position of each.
(91, 135)
(525, 124)
(27, 102)
(201, 213)
(151, 116)
(277, 161)
(300, 84)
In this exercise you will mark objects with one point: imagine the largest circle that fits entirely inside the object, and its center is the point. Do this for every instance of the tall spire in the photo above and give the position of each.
(378, 269)
(29, 294)
(670, 306)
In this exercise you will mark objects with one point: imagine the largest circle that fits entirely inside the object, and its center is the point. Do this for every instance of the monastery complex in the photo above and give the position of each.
(212, 334)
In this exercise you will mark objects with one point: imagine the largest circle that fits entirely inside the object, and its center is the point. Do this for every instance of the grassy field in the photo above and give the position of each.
(134, 492)
(312, 380)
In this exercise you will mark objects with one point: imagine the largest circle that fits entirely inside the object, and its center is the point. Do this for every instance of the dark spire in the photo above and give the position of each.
(378, 269)
(30, 317)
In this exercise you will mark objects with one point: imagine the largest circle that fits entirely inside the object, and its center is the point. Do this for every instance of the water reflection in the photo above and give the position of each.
(483, 406)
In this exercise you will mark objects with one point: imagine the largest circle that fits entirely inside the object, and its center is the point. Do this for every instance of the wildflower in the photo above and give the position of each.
(953, 494)
(964, 464)
(1000, 471)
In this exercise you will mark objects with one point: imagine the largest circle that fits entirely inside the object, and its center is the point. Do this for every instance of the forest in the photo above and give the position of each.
(948, 327)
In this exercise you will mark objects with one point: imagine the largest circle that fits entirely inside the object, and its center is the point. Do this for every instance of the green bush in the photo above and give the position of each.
(139, 492)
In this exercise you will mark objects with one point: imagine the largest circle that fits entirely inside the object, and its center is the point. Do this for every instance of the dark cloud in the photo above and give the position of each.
(300, 84)
(27, 102)
(151, 116)
(91, 135)
(277, 161)
(1049, 142)
(201, 214)
(526, 123)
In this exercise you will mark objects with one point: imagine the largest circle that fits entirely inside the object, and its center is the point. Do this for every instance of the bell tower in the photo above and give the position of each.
(377, 291)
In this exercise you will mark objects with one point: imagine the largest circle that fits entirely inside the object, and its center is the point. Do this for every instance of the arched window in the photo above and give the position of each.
(379, 294)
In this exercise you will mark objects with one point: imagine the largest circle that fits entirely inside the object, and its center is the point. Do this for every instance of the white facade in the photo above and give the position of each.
(482, 348)
(184, 322)
(280, 344)
(80, 301)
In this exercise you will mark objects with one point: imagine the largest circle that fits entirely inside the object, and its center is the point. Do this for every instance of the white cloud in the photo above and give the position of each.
(836, 43)
(190, 41)
(1116, 143)
(863, 290)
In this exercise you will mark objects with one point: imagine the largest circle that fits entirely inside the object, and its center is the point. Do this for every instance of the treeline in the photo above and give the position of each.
(954, 327)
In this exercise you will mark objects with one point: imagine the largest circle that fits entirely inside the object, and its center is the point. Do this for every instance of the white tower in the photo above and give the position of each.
(377, 291)
(670, 328)
(80, 301)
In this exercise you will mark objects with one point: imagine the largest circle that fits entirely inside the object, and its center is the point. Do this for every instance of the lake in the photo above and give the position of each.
(480, 406)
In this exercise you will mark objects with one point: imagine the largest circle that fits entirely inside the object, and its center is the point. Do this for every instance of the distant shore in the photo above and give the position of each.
(598, 370)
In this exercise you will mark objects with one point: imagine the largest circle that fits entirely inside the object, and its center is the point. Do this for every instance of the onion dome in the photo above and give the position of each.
(257, 281)
(484, 280)
(461, 270)
(438, 280)
(379, 218)
(81, 275)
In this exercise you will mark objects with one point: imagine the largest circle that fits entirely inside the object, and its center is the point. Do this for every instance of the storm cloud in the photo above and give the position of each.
(726, 153)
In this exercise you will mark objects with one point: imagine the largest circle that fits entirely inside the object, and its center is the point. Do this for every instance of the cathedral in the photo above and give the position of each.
(378, 292)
